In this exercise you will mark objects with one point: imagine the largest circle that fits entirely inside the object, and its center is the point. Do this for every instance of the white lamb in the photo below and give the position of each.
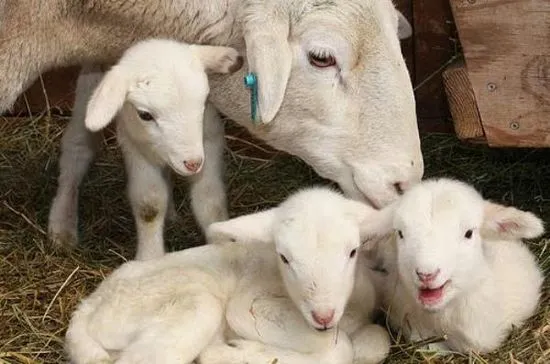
(237, 302)
(161, 87)
(457, 267)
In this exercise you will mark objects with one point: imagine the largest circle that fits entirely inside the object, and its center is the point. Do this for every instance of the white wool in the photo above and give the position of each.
(158, 89)
(473, 249)
(240, 301)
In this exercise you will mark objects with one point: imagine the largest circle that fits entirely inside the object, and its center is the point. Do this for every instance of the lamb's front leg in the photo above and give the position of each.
(272, 330)
(371, 344)
(252, 352)
(148, 191)
(207, 189)
(78, 149)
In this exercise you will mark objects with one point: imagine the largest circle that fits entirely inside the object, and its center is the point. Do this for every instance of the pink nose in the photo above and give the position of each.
(323, 318)
(427, 277)
(193, 165)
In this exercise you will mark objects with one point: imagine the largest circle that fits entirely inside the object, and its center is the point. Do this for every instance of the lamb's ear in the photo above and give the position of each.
(218, 59)
(269, 55)
(509, 223)
(404, 28)
(107, 99)
(373, 224)
(251, 228)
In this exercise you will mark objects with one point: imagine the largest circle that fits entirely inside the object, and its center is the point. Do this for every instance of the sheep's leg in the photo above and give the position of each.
(371, 344)
(272, 328)
(207, 189)
(248, 351)
(78, 149)
(148, 191)
(179, 333)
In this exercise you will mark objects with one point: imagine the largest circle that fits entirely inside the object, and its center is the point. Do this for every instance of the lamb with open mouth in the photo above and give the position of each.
(456, 267)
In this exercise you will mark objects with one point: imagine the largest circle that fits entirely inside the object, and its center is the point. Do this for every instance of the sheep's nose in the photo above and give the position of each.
(193, 165)
(427, 277)
(401, 186)
(323, 318)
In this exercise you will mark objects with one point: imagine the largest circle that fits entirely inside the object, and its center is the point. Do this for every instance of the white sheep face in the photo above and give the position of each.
(439, 247)
(168, 111)
(318, 247)
(162, 86)
(348, 107)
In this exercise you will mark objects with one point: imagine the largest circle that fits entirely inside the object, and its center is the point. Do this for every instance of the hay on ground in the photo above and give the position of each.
(40, 288)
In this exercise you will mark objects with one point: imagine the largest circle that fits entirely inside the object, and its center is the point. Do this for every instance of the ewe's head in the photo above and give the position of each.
(333, 89)
(441, 226)
(317, 237)
(162, 85)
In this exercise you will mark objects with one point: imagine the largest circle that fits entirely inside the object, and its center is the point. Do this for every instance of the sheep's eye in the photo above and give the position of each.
(321, 61)
(468, 234)
(145, 116)
(400, 233)
(353, 253)
(283, 258)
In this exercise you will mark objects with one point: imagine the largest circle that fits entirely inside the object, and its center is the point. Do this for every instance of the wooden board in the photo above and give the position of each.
(507, 51)
(462, 103)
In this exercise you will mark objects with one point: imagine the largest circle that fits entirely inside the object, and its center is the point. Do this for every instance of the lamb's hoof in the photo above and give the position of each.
(63, 240)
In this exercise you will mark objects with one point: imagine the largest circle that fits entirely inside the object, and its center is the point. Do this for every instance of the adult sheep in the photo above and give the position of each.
(333, 88)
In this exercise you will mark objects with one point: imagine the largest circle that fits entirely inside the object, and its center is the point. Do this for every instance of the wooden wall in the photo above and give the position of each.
(433, 45)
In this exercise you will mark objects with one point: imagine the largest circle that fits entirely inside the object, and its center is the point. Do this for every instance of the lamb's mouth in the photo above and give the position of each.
(429, 296)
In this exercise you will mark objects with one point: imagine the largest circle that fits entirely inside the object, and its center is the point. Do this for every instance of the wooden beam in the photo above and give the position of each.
(506, 46)
(462, 103)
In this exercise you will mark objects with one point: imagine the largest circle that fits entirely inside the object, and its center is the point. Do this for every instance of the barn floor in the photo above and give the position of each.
(39, 288)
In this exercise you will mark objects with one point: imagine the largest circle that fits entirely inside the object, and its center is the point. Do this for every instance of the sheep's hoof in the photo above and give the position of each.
(63, 241)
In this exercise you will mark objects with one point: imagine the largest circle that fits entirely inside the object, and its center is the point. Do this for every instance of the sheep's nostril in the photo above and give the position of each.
(323, 318)
(193, 165)
(426, 277)
(398, 187)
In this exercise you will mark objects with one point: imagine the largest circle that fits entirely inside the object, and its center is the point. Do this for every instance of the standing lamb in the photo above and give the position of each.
(161, 87)
(237, 302)
(333, 87)
(457, 267)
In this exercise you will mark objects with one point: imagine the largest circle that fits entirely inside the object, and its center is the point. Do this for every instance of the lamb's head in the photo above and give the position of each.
(441, 226)
(334, 90)
(317, 238)
(162, 86)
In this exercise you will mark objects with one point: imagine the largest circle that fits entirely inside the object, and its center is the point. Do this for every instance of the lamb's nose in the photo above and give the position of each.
(323, 318)
(193, 165)
(426, 277)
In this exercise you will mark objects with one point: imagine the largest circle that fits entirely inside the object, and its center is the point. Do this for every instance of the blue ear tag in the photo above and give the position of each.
(251, 82)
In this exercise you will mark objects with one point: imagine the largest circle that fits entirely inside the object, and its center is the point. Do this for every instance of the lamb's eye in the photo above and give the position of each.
(283, 258)
(321, 61)
(353, 253)
(145, 116)
(400, 233)
(468, 234)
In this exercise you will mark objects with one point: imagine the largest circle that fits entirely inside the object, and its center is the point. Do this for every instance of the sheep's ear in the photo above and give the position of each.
(269, 56)
(373, 224)
(251, 228)
(107, 99)
(217, 59)
(509, 223)
(404, 28)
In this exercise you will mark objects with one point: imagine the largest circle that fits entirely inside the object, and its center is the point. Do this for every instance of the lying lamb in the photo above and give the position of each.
(457, 267)
(160, 87)
(242, 303)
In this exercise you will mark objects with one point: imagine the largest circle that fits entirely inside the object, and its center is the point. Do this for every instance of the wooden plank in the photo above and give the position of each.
(434, 47)
(507, 50)
(462, 103)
